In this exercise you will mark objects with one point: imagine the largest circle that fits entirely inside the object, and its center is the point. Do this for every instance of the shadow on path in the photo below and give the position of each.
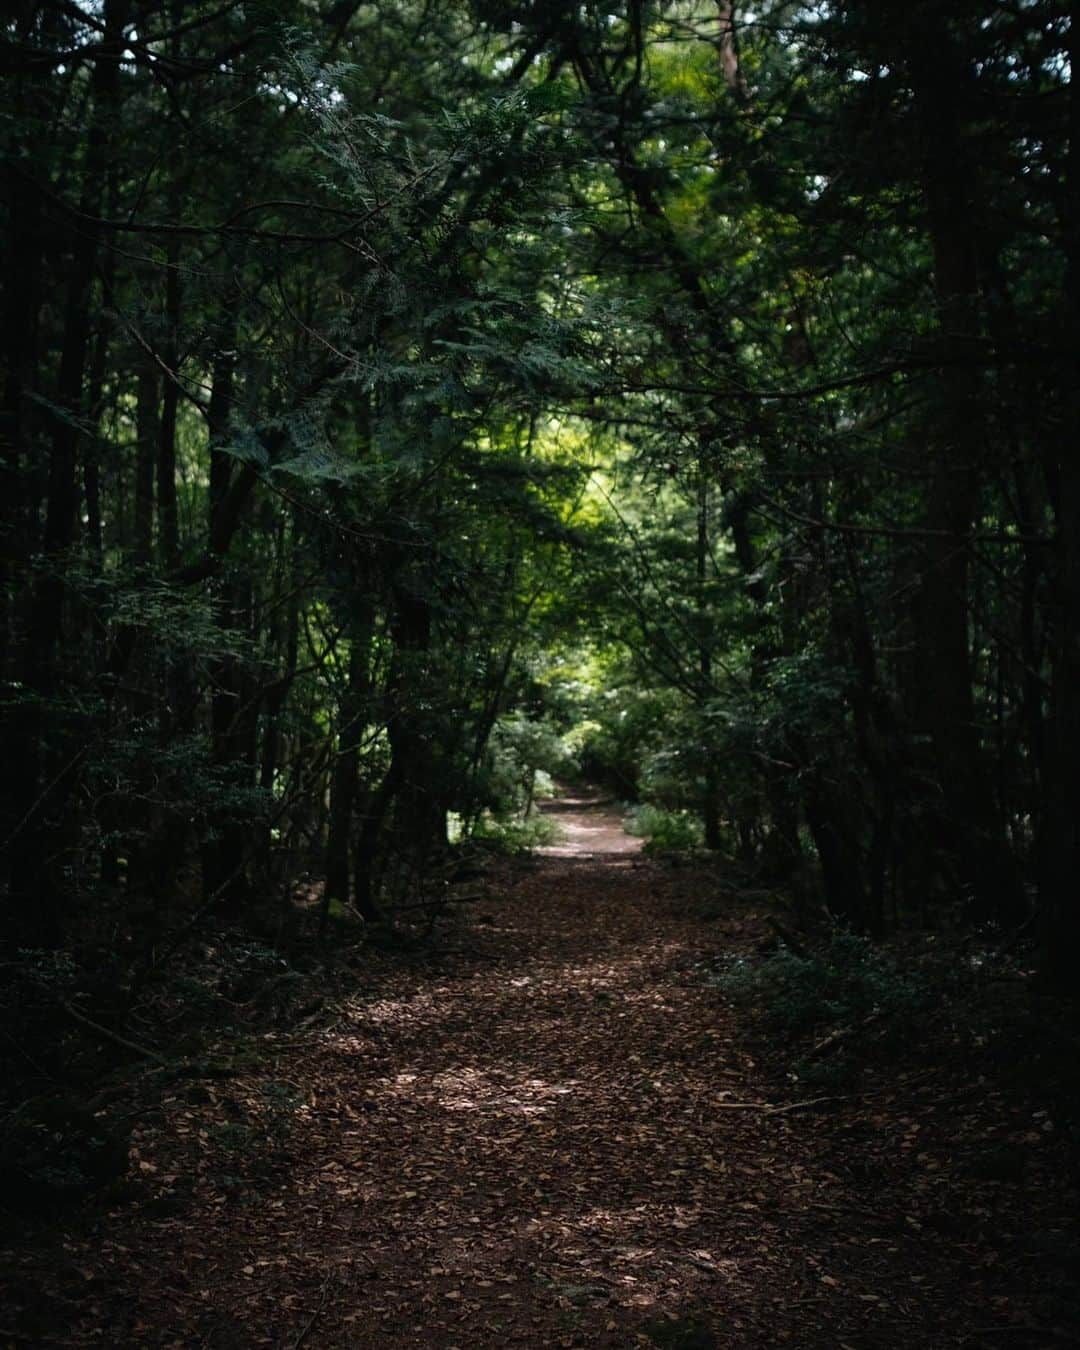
(558, 1138)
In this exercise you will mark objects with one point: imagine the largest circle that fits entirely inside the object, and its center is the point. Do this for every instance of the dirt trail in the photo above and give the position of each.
(529, 1143)
(589, 827)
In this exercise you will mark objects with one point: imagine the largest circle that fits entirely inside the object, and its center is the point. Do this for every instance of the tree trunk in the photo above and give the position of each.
(168, 519)
(1059, 882)
(45, 824)
(948, 708)
(235, 704)
(343, 782)
(146, 442)
(710, 797)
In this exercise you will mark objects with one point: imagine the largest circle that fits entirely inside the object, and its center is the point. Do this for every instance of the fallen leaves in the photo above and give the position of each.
(563, 1144)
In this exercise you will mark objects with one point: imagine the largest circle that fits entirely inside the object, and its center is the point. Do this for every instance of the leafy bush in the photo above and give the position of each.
(515, 836)
(665, 831)
(54, 1150)
(524, 754)
(54, 970)
(838, 987)
(253, 1148)
(626, 725)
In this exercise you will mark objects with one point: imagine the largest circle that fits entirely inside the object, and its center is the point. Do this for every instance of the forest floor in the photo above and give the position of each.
(555, 1132)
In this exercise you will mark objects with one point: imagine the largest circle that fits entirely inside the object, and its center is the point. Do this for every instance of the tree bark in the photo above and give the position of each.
(1059, 882)
(45, 826)
(948, 707)
(146, 442)
(168, 518)
(343, 782)
(234, 703)
(710, 797)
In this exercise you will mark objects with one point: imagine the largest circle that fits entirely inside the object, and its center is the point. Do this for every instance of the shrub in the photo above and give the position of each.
(626, 725)
(55, 1150)
(514, 836)
(253, 1148)
(524, 756)
(840, 986)
(665, 831)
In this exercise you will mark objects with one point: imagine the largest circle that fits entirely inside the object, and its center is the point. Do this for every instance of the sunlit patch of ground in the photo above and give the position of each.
(471, 1089)
(585, 830)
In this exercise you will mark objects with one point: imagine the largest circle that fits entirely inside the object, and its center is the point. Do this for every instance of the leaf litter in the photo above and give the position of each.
(559, 1136)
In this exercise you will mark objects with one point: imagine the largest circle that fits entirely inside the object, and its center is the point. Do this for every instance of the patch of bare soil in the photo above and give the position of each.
(588, 827)
(555, 1136)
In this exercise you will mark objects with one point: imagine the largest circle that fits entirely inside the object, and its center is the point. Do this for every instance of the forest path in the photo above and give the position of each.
(588, 825)
(531, 1141)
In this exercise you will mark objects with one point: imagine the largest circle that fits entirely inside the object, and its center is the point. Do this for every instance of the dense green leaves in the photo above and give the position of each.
(370, 365)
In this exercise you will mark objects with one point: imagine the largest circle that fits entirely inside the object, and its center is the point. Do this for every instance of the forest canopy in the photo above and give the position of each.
(406, 402)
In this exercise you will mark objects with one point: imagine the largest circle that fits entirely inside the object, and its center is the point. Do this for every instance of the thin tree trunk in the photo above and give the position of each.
(710, 799)
(234, 705)
(1060, 845)
(146, 442)
(168, 519)
(343, 782)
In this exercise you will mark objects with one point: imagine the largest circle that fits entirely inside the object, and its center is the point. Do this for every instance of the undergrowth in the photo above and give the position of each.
(849, 989)
(846, 982)
(847, 1005)
(664, 831)
(253, 1148)
(514, 836)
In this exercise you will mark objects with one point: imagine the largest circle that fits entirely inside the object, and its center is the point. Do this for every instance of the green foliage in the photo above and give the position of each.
(842, 986)
(626, 731)
(803, 695)
(54, 1151)
(50, 970)
(272, 1119)
(564, 400)
(525, 755)
(665, 831)
(515, 835)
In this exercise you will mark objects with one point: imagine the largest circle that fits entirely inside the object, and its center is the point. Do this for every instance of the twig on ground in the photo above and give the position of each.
(787, 937)
(836, 1038)
(112, 1035)
(1051, 1333)
(302, 1337)
(811, 1101)
(772, 1109)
